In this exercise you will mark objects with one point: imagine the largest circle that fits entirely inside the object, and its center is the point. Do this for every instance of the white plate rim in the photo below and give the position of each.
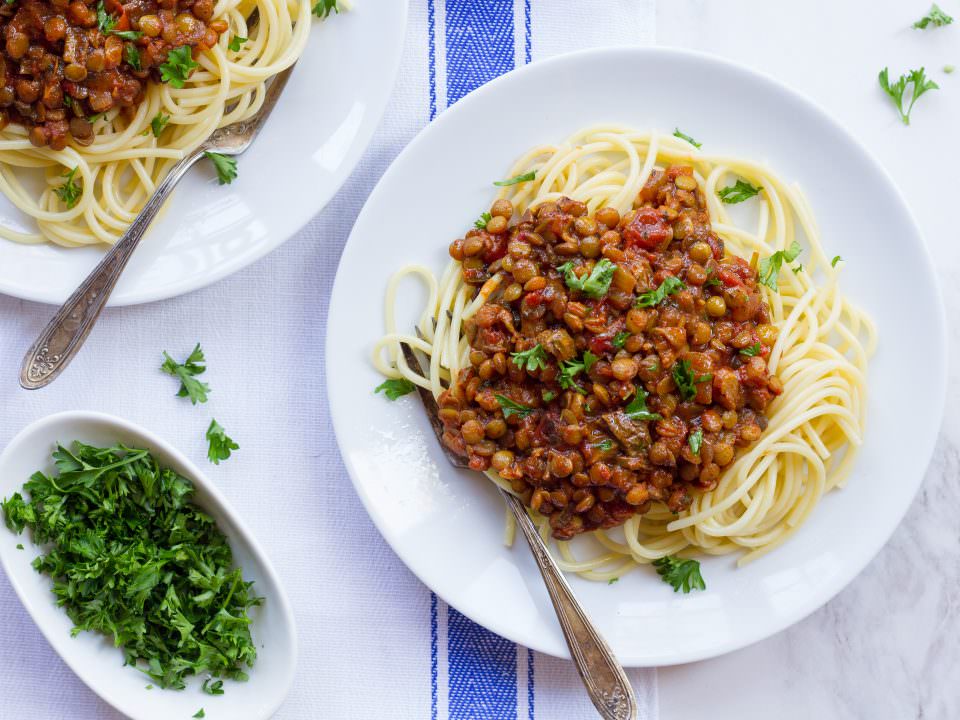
(938, 373)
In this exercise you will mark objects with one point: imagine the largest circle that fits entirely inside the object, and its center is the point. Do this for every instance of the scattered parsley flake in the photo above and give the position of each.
(225, 166)
(157, 124)
(395, 388)
(481, 222)
(594, 285)
(681, 574)
(695, 441)
(738, 192)
(548, 395)
(533, 359)
(526, 177)
(948, 69)
(199, 713)
(187, 372)
(620, 339)
(685, 379)
(130, 35)
(569, 369)
(769, 268)
(323, 8)
(235, 42)
(751, 351)
(178, 66)
(511, 408)
(213, 688)
(836, 259)
(677, 133)
(221, 445)
(652, 298)
(637, 409)
(936, 17)
(605, 445)
(105, 21)
(132, 56)
(920, 84)
(19, 546)
(611, 581)
(69, 192)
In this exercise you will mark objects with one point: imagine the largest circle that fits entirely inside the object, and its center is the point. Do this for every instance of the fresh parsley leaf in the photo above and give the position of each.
(769, 268)
(213, 688)
(620, 339)
(548, 395)
(695, 441)
(158, 124)
(936, 17)
(323, 8)
(69, 192)
(611, 581)
(220, 444)
(712, 281)
(481, 222)
(738, 192)
(569, 369)
(225, 166)
(637, 409)
(588, 360)
(797, 269)
(105, 21)
(596, 284)
(132, 56)
(127, 34)
(652, 298)
(19, 546)
(187, 372)
(511, 408)
(920, 84)
(836, 259)
(680, 574)
(677, 133)
(533, 359)
(605, 445)
(178, 66)
(395, 387)
(128, 554)
(235, 42)
(149, 687)
(685, 380)
(526, 177)
(751, 351)
(200, 713)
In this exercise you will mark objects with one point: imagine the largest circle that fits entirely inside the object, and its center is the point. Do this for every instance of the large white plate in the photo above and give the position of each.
(309, 147)
(447, 525)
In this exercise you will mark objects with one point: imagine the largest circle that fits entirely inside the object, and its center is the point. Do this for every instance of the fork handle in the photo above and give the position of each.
(64, 335)
(599, 669)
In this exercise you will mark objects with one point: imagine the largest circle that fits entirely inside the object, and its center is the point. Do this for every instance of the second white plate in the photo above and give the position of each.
(447, 525)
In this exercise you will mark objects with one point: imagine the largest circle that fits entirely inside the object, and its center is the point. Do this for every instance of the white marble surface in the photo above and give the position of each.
(889, 645)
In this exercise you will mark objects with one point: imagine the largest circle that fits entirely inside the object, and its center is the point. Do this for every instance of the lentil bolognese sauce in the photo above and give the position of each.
(613, 346)
(99, 99)
(621, 361)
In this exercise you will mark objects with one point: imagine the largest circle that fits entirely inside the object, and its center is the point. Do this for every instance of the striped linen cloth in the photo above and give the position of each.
(374, 642)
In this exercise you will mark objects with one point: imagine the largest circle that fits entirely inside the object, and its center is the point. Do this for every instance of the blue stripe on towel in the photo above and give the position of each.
(433, 656)
(483, 672)
(480, 44)
(531, 704)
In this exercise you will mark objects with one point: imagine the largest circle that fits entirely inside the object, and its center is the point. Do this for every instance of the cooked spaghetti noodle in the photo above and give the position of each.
(820, 354)
(126, 160)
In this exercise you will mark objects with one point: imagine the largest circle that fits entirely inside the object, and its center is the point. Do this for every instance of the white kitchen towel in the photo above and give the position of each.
(374, 642)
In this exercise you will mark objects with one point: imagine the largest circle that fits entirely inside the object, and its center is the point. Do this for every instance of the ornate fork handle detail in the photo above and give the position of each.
(64, 335)
(602, 675)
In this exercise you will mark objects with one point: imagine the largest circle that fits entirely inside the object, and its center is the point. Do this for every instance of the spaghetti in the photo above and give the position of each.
(134, 148)
(820, 353)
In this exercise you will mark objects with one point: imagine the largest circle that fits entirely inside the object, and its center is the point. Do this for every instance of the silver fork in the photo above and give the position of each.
(602, 674)
(63, 337)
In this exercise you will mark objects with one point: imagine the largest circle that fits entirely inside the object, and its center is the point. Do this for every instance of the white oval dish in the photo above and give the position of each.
(447, 525)
(312, 142)
(92, 656)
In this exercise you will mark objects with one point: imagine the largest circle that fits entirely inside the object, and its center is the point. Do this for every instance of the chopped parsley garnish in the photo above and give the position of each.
(132, 56)
(158, 124)
(511, 408)
(605, 445)
(225, 166)
(594, 285)
(533, 359)
(920, 84)
(695, 441)
(548, 395)
(712, 280)
(19, 546)
(526, 177)
(738, 192)
(178, 66)
(652, 298)
(637, 409)
(611, 581)
(130, 35)
(235, 42)
(105, 21)
(571, 368)
(323, 8)
(681, 574)
(751, 351)
(221, 445)
(836, 259)
(395, 387)
(200, 713)
(69, 192)
(211, 687)
(677, 133)
(620, 339)
(936, 17)
(481, 222)
(949, 69)
(187, 372)
(769, 268)
(131, 556)
(685, 379)
(797, 269)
